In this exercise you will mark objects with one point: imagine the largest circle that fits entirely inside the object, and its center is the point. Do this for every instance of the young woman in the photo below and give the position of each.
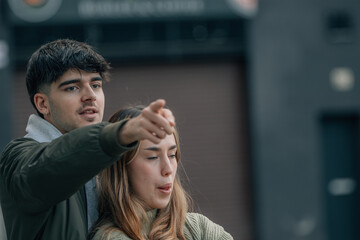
(141, 197)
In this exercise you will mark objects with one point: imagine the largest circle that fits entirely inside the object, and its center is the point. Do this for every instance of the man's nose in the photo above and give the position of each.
(89, 94)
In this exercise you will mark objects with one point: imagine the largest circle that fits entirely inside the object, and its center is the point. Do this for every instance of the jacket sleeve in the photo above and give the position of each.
(199, 227)
(39, 175)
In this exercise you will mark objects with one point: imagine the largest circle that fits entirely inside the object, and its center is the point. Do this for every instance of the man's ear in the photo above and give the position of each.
(41, 101)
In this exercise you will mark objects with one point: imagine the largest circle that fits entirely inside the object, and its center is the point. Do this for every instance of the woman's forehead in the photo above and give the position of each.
(165, 143)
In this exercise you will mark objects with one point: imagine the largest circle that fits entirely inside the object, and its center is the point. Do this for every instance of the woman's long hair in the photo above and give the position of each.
(120, 209)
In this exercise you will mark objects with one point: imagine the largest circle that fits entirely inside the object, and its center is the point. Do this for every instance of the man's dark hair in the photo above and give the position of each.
(53, 59)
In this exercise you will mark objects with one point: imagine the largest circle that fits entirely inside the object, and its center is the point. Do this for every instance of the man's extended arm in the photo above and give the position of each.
(38, 175)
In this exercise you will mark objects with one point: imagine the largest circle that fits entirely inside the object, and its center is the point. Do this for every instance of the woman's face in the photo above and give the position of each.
(152, 172)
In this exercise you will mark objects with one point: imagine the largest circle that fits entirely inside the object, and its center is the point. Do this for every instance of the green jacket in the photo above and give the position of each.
(42, 184)
(197, 227)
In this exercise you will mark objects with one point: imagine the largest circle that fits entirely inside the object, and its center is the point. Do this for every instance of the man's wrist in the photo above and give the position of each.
(109, 139)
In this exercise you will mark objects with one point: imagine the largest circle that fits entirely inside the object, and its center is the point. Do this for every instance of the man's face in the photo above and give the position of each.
(75, 100)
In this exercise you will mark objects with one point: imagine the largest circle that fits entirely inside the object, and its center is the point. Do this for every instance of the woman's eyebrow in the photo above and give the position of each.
(156, 149)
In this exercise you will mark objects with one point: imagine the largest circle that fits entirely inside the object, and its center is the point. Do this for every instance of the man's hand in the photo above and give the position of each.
(154, 123)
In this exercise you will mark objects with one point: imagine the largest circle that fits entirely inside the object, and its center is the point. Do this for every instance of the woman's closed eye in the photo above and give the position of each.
(171, 156)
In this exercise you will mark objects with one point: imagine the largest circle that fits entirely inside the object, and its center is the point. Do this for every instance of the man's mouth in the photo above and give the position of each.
(88, 111)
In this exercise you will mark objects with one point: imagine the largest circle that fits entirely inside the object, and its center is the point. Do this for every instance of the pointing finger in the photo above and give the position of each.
(169, 116)
(157, 105)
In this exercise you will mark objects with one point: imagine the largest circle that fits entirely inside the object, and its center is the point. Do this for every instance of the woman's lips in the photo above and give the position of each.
(166, 189)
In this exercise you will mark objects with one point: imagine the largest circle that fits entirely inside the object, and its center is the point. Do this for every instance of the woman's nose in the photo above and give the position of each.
(167, 168)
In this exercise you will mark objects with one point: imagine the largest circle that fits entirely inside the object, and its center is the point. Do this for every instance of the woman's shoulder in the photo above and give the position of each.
(198, 226)
(197, 218)
(113, 235)
(192, 217)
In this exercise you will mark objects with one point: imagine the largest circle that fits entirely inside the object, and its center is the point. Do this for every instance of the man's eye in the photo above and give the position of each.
(97, 85)
(70, 89)
(152, 158)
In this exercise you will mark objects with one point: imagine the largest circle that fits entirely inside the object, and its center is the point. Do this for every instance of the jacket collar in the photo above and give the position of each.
(41, 130)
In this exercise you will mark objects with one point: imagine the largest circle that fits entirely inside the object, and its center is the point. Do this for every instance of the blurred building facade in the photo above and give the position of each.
(305, 102)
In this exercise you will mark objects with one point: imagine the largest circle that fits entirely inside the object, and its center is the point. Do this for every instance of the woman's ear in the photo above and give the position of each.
(41, 101)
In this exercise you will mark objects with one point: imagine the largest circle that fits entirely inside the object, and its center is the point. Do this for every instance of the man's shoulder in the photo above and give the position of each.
(18, 143)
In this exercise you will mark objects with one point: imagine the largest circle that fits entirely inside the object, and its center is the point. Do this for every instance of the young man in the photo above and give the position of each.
(43, 175)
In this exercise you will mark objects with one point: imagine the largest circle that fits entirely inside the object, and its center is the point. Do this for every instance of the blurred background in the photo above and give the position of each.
(264, 93)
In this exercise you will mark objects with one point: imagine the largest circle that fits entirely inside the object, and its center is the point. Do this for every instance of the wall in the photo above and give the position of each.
(296, 47)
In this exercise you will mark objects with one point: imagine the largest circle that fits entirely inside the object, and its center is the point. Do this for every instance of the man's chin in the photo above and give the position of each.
(87, 122)
(91, 119)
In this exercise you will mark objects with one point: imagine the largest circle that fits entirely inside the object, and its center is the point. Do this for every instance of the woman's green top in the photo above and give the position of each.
(197, 227)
